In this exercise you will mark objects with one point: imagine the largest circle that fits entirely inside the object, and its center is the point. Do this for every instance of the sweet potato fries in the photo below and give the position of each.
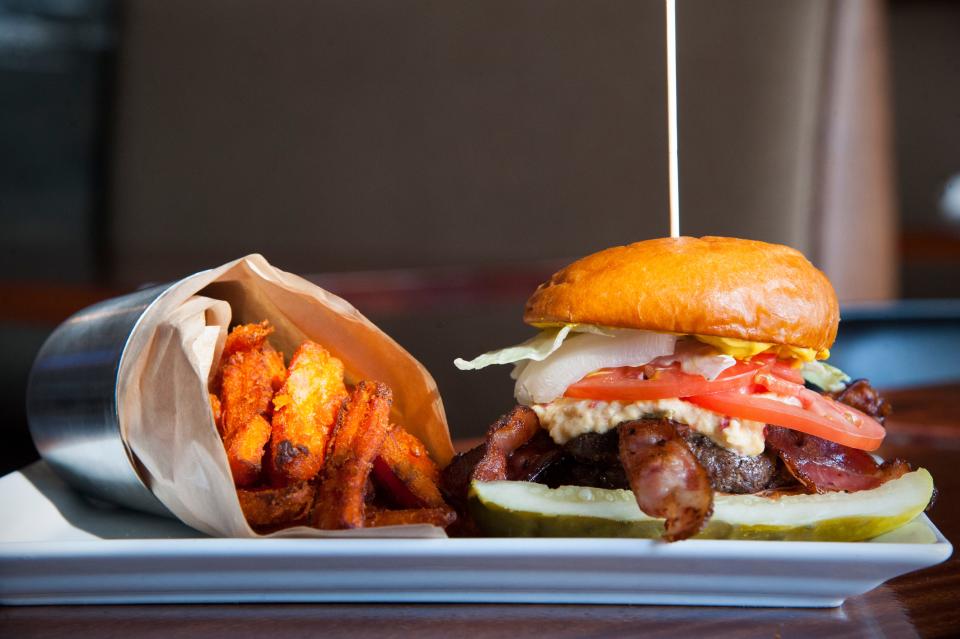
(304, 449)
(250, 373)
(304, 412)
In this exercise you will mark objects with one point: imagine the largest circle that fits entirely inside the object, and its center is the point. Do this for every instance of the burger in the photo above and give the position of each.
(678, 388)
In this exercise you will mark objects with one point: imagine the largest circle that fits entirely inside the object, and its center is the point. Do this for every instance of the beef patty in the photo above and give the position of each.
(592, 459)
(730, 472)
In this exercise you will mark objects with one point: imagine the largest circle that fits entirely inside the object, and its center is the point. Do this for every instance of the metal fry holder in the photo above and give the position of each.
(72, 401)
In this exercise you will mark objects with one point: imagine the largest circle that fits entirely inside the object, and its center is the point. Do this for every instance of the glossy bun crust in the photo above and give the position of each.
(718, 286)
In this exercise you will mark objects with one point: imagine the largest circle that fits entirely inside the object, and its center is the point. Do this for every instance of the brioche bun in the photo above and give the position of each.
(719, 286)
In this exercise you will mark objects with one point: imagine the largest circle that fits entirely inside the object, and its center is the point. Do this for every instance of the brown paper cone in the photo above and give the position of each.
(164, 408)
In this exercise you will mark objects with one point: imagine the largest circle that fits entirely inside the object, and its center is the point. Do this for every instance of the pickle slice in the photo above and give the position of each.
(524, 509)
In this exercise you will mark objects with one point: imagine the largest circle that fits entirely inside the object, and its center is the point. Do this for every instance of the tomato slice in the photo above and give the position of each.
(767, 380)
(735, 392)
(818, 415)
(782, 369)
(627, 384)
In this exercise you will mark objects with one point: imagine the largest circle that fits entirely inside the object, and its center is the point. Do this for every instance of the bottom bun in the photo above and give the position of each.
(524, 509)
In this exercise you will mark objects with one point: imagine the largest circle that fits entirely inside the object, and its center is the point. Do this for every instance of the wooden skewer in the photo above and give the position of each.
(672, 156)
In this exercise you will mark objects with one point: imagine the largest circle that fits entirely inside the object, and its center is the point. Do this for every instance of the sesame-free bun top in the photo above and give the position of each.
(719, 286)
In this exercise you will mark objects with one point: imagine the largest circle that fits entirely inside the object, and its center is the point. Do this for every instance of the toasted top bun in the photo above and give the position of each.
(719, 286)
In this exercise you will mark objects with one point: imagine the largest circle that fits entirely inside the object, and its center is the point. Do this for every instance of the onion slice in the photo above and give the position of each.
(696, 358)
(581, 354)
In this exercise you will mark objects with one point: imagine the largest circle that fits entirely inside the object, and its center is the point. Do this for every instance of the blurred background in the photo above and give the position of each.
(432, 161)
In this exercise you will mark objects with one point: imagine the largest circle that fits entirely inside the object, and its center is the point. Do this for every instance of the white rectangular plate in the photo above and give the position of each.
(58, 548)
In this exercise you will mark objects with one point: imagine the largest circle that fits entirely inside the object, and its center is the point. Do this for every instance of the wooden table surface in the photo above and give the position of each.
(924, 430)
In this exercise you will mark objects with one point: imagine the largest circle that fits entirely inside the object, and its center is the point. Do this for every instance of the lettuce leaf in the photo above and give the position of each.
(537, 348)
(829, 378)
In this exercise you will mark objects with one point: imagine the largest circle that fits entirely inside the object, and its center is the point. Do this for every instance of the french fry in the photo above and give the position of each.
(251, 372)
(249, 379)
(246, 337)
(277, 507)
(216, 410)
(407, 459)
(440, 516)
(362, 424)
(245, 448)
(325, 448)
(305, 409)
(276, 369)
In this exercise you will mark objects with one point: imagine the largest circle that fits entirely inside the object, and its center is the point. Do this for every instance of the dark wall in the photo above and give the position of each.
(925, 41)
(345, 135)
(55, 65)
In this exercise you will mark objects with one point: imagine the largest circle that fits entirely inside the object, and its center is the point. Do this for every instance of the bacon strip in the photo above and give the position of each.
(861, 395)
(532, 460)
(455, 478)
(665, 476)
(506, 435)
(824, 466)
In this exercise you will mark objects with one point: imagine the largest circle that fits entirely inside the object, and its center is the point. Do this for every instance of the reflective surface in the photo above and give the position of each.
(71, 401)
(856, 619)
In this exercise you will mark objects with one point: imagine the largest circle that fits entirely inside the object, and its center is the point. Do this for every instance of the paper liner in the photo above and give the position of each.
(163, 403)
